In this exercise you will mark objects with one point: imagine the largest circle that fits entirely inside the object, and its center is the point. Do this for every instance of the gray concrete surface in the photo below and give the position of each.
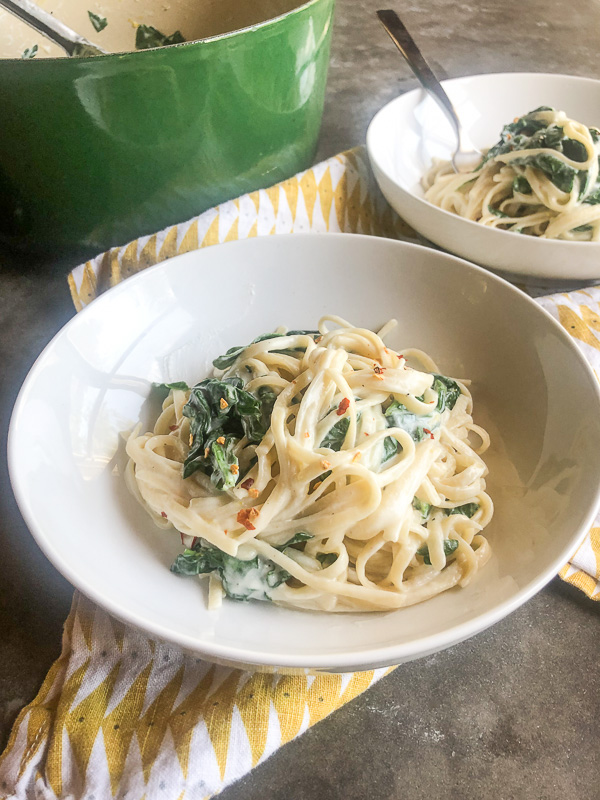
(513, 713)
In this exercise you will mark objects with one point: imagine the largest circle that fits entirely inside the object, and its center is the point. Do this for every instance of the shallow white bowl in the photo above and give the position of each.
(406, 134)
(532, 388)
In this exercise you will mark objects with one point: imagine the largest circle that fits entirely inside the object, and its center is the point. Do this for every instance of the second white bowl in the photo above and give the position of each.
(406, 134)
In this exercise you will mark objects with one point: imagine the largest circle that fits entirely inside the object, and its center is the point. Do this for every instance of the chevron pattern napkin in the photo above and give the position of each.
(121, 715)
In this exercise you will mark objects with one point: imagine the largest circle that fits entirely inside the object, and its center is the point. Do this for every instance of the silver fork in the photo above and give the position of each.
(466, 156)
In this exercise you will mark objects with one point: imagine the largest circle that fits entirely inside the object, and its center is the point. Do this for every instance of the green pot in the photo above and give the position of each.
(97, 151)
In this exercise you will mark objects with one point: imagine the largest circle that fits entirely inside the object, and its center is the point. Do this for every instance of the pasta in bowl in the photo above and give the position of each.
(68, 459)
(409, 140)
(541, 179)
(321, 471)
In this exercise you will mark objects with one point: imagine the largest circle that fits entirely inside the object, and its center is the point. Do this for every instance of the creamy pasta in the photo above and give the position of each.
(317, 469)
(541, 178)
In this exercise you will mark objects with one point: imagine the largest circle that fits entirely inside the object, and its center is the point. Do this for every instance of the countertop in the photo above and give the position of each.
(514, 712)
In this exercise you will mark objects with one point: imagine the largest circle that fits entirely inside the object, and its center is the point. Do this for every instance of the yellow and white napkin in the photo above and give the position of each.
(120, 714)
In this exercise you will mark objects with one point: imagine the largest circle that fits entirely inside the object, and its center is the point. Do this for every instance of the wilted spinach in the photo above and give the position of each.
(423, 507)
(467, 510)
(146, 37)
(327, 559)
(226, 360)
(251, 579)
(448, 392)
(221, 412)
(176, 385)
(531, 133)
(450, 546)
(334, 438)
(97, 21)
(300, 536)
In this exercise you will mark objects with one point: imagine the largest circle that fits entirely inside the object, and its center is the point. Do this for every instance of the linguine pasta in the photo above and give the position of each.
(320, 471)
(541, 178)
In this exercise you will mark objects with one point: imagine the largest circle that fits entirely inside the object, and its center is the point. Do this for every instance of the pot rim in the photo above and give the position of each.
(127, 53)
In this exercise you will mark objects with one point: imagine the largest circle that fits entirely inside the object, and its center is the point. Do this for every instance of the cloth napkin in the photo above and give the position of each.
(122, 715)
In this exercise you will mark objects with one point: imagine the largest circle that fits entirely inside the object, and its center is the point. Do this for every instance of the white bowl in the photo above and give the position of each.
(533, 390)
(406, 134)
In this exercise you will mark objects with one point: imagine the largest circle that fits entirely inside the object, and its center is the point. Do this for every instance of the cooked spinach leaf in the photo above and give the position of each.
(176, 385)
(497, 213)
(593, 198)
(301, 536)
(531, 133)
(226, 360)
(327, 559)
(521, 185)
(146, 37)
(398, 416)
(450, 546)
(29, 52)
(242, 580)
(97, 21)
(468, 510)
(221, 412)
(334, 438)
(448, 392)
(390, 448)
(423, 507)
(561, 174)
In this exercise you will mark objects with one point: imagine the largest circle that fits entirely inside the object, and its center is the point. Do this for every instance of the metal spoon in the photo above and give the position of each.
(466, 156)
(51, 28)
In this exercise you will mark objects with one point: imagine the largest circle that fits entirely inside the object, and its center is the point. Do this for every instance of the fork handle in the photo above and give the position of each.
(407, 46)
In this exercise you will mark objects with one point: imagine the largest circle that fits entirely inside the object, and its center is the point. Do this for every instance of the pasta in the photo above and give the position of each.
(541, 178)
(317, 469)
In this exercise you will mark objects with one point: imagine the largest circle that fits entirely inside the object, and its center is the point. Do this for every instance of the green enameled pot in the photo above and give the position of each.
(96, 151)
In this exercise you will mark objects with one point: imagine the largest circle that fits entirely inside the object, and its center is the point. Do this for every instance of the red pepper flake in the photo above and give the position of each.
(343, 407)
(306, 434)
(429, 433)
(247, 483)
(163, 514)
(173, 427)
(245, 517)
(226, 532)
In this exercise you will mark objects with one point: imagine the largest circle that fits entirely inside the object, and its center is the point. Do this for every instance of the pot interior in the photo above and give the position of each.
(195, 19)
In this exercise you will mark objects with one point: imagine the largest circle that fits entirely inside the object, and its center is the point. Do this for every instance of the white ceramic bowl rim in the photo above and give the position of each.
(389, 654)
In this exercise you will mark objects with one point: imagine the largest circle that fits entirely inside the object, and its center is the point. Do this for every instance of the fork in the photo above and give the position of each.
(466, 156)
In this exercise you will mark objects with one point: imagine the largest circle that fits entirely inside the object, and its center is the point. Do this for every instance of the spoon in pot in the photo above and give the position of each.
(466, 156)
(51, 28)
